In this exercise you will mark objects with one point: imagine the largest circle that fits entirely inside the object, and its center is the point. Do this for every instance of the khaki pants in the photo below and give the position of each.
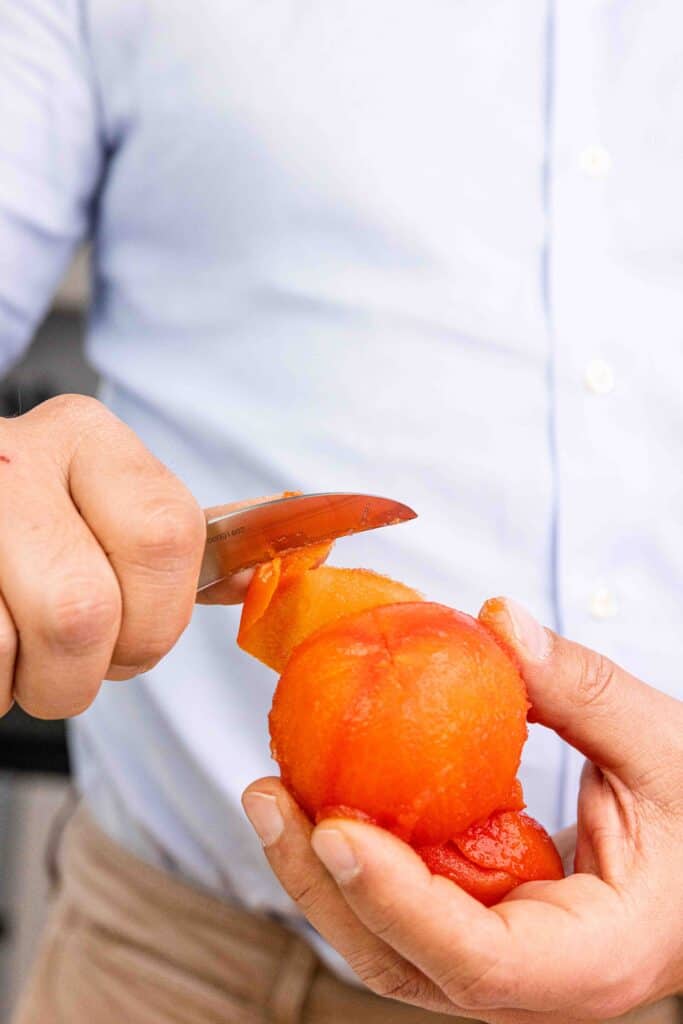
(127, 944)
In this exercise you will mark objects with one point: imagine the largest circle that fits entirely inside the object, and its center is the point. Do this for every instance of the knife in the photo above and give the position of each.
(244, 538)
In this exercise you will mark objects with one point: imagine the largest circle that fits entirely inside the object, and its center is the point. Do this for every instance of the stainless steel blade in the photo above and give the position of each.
(242, 539)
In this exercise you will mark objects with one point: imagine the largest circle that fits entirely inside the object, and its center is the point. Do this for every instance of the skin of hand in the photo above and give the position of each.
(100, 549)
(595, 945)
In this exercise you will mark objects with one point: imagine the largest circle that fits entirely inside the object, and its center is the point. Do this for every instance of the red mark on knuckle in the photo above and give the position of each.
(5, 458)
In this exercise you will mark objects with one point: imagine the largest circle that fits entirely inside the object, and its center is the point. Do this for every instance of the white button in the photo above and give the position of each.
(603, 604)
(599, 377)
(595, 161)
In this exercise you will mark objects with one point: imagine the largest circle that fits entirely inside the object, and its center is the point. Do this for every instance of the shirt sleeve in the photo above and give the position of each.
(50, 157)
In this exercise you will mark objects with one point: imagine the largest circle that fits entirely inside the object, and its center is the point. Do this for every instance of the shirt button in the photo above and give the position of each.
(603, 603)
(595, 161)
(599, 377)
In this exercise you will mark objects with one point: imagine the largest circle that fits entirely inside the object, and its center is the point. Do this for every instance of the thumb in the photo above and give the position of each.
(614, 719)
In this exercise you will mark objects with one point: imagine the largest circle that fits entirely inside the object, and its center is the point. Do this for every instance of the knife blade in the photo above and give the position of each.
(244, 538)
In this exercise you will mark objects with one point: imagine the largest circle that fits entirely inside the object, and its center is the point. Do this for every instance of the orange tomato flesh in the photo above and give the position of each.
(487, 886)
(494, 857)
(290, 598)
(400, 712)
(410, 713)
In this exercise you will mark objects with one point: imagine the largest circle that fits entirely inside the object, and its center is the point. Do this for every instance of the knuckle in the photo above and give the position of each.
(58, 426)
(387, 975)
(596, 675)
(306, 895)
(469, 997)
(386, 926)
(484, 987)
(396, 984)
(82, 614)
(71, 405)
(408, 989)
(171, 534)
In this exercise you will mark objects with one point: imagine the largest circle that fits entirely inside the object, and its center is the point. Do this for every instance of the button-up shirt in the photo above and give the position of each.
(424, 248)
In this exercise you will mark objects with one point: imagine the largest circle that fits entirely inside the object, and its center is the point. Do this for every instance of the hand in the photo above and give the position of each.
(594, 945)
(100, 548)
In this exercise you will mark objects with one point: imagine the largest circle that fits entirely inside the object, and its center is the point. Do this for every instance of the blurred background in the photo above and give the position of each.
(34, 764)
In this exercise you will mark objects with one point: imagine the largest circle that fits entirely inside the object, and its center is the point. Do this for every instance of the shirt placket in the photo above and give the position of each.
(586, 372)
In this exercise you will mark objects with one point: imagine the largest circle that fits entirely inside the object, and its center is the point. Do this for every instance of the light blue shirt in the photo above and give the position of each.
(414, 247)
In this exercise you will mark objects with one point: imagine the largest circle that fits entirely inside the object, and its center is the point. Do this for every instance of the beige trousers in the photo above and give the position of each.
(127, 944)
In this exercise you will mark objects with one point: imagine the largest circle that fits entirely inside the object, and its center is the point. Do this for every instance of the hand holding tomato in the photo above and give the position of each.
(594, 945)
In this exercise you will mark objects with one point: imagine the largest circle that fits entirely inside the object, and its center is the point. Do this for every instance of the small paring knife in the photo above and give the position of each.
(249, 536)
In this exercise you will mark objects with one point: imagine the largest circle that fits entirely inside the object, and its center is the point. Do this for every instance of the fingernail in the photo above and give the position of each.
(264, 814)
(529, 633)
(336, 853)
